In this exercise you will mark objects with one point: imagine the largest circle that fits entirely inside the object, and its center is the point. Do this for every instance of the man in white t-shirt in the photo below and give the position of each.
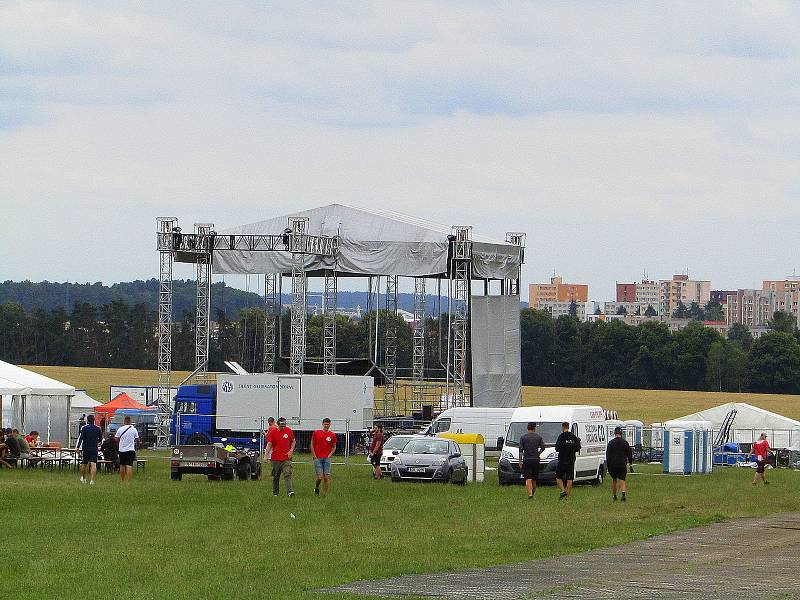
(127, 437)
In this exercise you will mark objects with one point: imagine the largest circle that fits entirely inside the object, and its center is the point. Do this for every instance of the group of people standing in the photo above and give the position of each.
(618, 456)
(122, 444)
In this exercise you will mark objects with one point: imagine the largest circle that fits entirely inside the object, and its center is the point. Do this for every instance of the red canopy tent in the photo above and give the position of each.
(122, 400)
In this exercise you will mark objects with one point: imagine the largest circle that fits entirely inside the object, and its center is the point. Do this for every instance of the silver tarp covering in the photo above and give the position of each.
(45, 414)
(496, 361)
(370, 243)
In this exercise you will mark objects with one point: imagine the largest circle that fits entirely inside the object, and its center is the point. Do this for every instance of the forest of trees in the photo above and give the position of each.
(555, 352)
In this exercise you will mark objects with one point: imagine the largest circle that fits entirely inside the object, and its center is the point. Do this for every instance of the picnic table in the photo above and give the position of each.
(54, 456)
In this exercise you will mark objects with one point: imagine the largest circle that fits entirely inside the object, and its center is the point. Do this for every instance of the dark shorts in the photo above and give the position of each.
(530, 469)
(565, 471)
(618, 471)
(760, 466)
(88, 457)
(126, 459)
(375, 459)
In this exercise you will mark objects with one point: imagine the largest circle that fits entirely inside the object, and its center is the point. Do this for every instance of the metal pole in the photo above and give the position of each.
(346, 440)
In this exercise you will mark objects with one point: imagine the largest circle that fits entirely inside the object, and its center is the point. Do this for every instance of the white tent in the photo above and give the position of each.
(82, 404)
(31, 401)
(750, 421)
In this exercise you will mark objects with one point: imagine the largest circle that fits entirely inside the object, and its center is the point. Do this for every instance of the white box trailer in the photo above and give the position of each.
(304, 400)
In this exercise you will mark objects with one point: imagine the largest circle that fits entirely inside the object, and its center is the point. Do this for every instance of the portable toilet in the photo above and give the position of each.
(688, 447)
(473, 450)
(656, 436)
(633, 431)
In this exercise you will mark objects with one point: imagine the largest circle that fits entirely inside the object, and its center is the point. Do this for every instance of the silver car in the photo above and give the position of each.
(429, 459)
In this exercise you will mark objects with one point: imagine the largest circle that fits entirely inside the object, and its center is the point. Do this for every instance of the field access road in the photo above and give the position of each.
(741, 558)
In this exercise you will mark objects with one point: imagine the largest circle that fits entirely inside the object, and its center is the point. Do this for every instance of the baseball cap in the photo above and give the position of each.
(281, 421)
(617, 430)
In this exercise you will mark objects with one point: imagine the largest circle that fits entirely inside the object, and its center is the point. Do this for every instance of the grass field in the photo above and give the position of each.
(646, 405)
(201, 539)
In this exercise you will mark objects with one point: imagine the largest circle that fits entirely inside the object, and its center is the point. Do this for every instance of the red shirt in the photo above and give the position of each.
(377, 443)
(760, 449)
(281, 442)
(323, 442)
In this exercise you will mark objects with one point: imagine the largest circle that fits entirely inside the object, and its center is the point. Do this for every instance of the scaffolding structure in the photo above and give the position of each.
(300, 255)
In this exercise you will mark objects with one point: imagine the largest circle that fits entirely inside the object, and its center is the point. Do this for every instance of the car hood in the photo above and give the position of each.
(421, 459)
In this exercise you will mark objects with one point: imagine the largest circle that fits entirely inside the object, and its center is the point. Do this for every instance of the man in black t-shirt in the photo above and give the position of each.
(14, 449)
(567, 446)
(530, 448)
(618, 456)
(88, 440)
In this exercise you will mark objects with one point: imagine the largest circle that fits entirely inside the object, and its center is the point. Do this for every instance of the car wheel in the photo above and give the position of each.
(244, 471)
(599, 479)
(197, 439)
(449, 477)
(464, 478)
(175, 476)
(256, 474)
(395, 479)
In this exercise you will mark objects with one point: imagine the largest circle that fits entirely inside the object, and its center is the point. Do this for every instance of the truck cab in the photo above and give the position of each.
(195, 407)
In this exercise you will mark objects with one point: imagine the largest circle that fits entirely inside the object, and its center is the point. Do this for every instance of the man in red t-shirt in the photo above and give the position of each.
(280, 447)
(323, 445)
(270, 426)
(760, 449)
(376, 451)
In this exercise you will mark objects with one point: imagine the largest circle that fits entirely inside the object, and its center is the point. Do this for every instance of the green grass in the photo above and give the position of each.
(201, 539)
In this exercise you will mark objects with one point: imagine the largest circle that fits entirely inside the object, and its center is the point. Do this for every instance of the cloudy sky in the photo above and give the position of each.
(622, 138)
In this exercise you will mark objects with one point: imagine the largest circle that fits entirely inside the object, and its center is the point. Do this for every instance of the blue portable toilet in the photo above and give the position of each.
(633, 431)
(688, 447)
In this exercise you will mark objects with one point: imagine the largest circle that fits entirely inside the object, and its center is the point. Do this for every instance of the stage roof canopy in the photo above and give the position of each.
(370, 243)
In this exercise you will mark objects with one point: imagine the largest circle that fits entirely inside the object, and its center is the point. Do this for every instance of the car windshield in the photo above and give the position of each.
(397, 442)
(548, 431)
(426, 447)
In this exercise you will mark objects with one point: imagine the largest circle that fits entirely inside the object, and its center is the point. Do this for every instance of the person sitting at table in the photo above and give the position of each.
(110, 452)
(32, 438)
(25, 451)
(3, 449)
(14, 450)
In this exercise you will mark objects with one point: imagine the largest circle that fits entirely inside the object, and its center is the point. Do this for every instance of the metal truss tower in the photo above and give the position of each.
(515, 238)
(270, 320)
(390, 350)
(461, 273)
(202, 317)
(418, 373)
(164, 398)
(297, 233)
(329, 324)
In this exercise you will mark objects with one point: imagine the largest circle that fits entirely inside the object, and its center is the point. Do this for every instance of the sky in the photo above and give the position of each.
(624, 138)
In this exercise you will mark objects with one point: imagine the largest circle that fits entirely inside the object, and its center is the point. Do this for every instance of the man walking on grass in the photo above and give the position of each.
(280, 447)
(89, 438)
(376, 451)
(127, 436)
(531, 446)
(567, 446)
(618, 456)
(323, 445)
(760, 450)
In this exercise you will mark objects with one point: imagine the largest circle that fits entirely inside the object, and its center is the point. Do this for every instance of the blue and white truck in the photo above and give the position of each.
(236, 408)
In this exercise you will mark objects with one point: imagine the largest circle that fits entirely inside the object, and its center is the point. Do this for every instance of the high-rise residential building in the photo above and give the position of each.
(682, 289)
(790, 284)
(755, 308)
(648, 293)
(557, 291)
(560, 308)
(626, 292)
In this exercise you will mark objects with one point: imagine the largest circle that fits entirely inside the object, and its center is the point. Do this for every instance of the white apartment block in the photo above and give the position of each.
(648, 293)
(755, 308)
(558, 308)
(682, 289)
(631, 308)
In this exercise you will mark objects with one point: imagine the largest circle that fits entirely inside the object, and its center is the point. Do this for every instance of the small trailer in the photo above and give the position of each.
(216, 463)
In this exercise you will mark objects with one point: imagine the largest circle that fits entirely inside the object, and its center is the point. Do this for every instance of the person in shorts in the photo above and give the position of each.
(89, 438)
(760, 450)
(323, 445)
(127, 437)
(376, 451)
(618, 456)
(567, 446)
(531, 446)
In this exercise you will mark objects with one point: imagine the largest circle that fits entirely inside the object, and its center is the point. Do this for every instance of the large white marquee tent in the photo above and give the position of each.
(749, 422)
(31, 401)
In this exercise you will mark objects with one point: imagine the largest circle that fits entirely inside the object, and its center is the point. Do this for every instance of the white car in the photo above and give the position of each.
(396, 442)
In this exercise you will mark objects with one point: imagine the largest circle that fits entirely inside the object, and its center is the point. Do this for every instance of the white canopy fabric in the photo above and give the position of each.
(747, 417)
(34, 383)
(11, 388)
(82, 400)
(370, 243)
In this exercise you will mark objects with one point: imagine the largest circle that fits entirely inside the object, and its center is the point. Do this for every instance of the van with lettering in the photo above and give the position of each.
(587, 422)
(491, 423)
(235, 409)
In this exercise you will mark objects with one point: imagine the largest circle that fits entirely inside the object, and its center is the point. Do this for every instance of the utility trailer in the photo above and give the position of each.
(215, 463)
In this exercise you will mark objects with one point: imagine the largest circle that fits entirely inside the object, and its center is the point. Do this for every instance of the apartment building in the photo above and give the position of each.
(558, 309)
(644, 293)
(557, 291)
(790, 284)
(755, 308)
(682, 289)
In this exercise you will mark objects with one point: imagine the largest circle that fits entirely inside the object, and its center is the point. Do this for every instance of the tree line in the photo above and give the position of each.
(555, 352)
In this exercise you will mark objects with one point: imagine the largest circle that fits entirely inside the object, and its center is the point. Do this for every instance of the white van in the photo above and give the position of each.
(491, 423)
(586, 422)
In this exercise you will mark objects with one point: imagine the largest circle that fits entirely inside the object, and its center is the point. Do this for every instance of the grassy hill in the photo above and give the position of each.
(647, 405)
